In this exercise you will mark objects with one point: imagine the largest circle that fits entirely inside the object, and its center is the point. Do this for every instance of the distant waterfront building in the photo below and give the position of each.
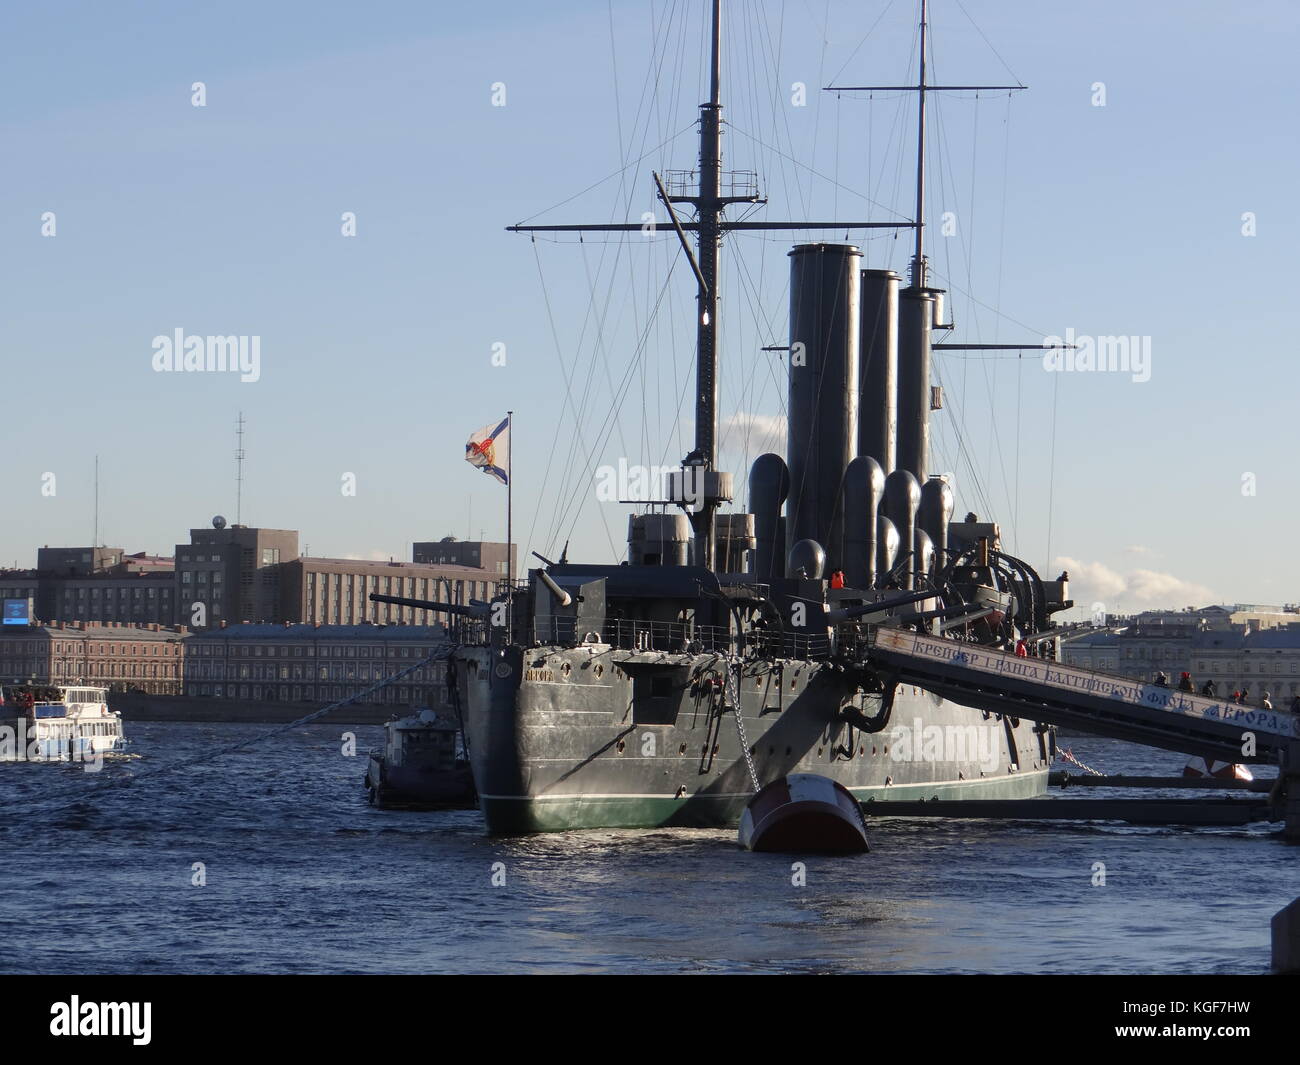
(20, 584)
(145, 658)
(336, 591)
(1092, 650)
(95, 584)
(232, 574)
(315, 663)
(236, 574)
(475, 554)
(1254, 662)
(1244, 647)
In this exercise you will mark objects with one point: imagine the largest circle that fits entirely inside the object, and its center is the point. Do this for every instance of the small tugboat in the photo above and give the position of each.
(49, 723)
(422, 764)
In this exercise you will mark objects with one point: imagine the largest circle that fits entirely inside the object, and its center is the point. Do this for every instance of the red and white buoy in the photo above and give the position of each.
(804, 813)
(1199, 767)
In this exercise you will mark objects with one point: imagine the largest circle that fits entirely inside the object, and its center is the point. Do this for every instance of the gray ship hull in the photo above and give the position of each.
(593, 737)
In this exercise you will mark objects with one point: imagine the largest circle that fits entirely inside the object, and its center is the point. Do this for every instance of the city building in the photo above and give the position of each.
(145, 658)
(236, 574)
(232, 574)
(475, 554)
(95, 584)
(1253, 662)
(1097, 650)
(315, 663)
(1243, 647)
(336, 591)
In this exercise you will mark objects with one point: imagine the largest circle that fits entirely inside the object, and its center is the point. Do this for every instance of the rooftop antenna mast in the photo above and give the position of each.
(703, 189)
(239, 469)
(94, 540)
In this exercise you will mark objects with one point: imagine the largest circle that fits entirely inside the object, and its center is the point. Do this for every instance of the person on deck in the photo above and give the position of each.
(1207, 689)
(1022, 649)
(1265, 703)
(837, 578)
(1295, 704)
(1185, 682)
(1161, 680)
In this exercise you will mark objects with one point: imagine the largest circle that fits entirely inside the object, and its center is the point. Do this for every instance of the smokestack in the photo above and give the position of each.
(769, 484)
(824, 333)
(878, 368)
(915, 319)
(864, 486)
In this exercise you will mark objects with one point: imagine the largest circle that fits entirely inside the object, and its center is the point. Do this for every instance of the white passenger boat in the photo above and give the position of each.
(41, 723)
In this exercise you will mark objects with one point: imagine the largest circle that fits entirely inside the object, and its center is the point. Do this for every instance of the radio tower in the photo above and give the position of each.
(239, 469)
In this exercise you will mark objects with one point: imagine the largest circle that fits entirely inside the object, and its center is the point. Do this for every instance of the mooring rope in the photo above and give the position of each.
(1066, 755)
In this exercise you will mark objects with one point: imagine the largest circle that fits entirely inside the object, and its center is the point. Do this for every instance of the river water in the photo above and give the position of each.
(299, 874)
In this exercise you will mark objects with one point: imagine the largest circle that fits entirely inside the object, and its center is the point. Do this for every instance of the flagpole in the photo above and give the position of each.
(510, 539)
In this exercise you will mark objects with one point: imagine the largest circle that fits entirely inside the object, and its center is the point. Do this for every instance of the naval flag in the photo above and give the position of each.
(489, 449)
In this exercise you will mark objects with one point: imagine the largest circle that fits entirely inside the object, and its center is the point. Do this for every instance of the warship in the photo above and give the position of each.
(729, 650)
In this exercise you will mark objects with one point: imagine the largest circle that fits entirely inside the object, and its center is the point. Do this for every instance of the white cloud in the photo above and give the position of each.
(762, 432)
(1095, 582)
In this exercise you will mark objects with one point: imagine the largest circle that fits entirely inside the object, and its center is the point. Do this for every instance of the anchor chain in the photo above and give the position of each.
(733, 694)
(1066, 755)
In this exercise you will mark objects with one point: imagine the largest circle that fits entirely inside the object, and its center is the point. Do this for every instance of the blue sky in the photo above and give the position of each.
(377, 349)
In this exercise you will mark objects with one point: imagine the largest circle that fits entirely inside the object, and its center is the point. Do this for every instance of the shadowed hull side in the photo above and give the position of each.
(569, 738)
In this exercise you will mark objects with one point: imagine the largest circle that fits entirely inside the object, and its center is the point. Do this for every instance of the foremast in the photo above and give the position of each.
(701, 488)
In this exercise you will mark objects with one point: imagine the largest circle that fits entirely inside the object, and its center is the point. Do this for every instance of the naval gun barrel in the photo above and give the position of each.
(562, 598)
(881, 606)
(474, 610)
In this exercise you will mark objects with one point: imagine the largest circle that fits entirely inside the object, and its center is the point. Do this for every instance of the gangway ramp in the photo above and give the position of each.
(1056, 694)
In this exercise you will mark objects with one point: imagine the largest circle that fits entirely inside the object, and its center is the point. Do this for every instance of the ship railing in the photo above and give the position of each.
(679, 637)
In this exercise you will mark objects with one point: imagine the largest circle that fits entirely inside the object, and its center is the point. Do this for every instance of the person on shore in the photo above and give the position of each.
(1207, 689)
(1162, 681)
(1185, 682)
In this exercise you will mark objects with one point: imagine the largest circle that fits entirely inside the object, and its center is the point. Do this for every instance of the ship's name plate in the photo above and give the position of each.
(547, 675)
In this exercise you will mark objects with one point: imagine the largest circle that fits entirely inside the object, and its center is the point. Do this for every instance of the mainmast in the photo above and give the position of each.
(918, 270)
